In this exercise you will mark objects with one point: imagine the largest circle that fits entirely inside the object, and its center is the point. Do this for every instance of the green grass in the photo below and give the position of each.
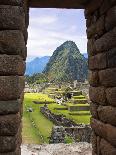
(44, 126)
(78, 105)
(76, 118)
(79, 97)
(42, 132)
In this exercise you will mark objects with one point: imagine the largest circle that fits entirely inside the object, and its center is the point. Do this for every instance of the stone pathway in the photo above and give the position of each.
(57, 149)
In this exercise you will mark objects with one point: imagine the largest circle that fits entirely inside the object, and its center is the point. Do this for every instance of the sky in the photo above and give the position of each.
(49, 28)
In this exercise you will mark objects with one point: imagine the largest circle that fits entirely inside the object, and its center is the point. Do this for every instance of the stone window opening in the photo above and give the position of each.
(101, 33)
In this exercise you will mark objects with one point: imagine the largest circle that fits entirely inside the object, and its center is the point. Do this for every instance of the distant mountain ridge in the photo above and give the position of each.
(67, 64)
(37, 65)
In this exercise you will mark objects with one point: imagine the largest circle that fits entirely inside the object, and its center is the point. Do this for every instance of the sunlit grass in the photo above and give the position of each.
(44, 126)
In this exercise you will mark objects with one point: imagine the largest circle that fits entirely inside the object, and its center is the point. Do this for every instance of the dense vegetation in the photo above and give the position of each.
(36, 78)
(67, 64)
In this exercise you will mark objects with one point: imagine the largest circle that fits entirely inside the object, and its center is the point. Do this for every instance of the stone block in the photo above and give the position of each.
(11, 2)
(11, 65)
(106, 148)
(9, 124)
(98, 61)
(93, 110)
(12, 43)
(97, 28)
(98, 127)
(110, 22)
(97, 95)
(9, 143)
(106, 42)
(111, 134)
(91, 47)
(12, 17)
(111, 58)
(92, 6)
(94, 141)
(93, 78)
(11, 87)
(108, 77)
(100, 26)
(106, 131)
(106, 5)
(107, 114)
(91, 31)
(93, 153)
(16, 152)
(9, 107)
(111, 96)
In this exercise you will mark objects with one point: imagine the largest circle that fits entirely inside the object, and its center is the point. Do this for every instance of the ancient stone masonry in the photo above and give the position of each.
(101, 33)
(12, 67)
(79, 132)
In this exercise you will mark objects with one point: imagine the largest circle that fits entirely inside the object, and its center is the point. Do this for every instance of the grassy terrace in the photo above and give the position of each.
(43, 128)
(81, 118)
(36, 127)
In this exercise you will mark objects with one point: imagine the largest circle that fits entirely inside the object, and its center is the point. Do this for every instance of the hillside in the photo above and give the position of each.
(67, 64)
(37, 65)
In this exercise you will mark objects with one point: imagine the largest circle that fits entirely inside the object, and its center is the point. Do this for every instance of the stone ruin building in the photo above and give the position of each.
(100, 18)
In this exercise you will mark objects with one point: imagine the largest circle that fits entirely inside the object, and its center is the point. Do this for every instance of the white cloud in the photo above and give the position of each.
(49, 30)
(43, 20)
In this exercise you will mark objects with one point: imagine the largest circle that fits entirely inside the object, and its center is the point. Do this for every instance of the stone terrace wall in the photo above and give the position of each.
(59, 120)
(101, 32)
(13, 37)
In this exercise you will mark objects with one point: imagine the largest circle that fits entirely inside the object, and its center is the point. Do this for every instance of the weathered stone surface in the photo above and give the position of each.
(93, 110)
(11, 65)
(98, 61)
(107, 4)
(111, 96)
(11, 17)
(9, 107)
(9, 143)
(93, 78)
(107, 41)
(94, 141)
(97, 95)
(111, 19)
(11, 2)
(58, 4)
(106, 131)
(107, 114)
(16, 152)
(97, 28)
(91, 47)
(93, 153)
(98, 127)
(108, 77)
(93, 6)
(11, 87)
(9, 124)
(12, 43)
(106, 148)
(111, 134)
(111, 58)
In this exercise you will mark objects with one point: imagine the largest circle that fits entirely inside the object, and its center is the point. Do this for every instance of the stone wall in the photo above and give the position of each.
(80, 133)
(59, 120)
(13, 36)
(101, 33)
